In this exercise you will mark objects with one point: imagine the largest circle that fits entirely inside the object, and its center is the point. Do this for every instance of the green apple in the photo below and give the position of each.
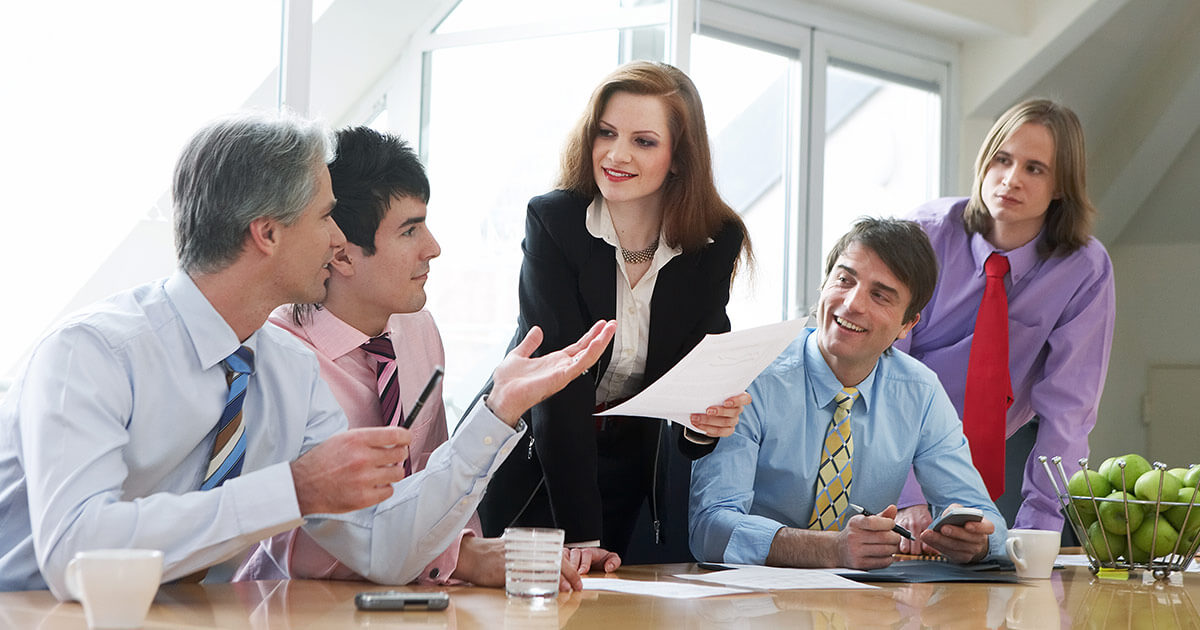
(1078, 488)
(1078, 485)
(1192, 478)
(1148, 485)
(1112, 513)
(1085, 511)
(1135, 467)
(1179, 473)
(1178, 513)
(1137, 554)
(1106, 465)
(1155, 536)
(1096, 538)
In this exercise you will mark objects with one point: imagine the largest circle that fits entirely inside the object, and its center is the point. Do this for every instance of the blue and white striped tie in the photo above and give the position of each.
(229, 449)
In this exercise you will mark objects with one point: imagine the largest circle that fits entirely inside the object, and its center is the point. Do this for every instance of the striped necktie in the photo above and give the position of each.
(385, 377)
(835, 473)
(229, 449)
(386, 383)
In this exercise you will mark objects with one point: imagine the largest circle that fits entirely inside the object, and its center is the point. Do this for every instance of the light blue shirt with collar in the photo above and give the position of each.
(763, 477)
(105, 437)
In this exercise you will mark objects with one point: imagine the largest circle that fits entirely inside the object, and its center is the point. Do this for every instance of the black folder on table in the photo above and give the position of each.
(914, 571)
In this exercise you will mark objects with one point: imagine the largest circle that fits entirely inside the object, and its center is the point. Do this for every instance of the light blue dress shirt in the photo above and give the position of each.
(763, 477)
(106, 435)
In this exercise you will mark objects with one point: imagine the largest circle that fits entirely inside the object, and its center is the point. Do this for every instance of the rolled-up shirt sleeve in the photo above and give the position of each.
(721, 528)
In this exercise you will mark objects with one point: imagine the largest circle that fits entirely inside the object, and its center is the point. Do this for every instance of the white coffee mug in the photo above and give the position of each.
(1032, 551)
(115, 586)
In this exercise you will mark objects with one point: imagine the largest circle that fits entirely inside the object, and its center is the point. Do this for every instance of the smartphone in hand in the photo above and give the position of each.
(956, 516)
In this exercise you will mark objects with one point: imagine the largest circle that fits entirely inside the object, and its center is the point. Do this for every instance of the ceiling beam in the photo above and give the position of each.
(1008, 17)
(1151, 160)
(998, 71)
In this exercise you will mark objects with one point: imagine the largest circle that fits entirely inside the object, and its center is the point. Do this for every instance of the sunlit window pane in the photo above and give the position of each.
(99, 98)
(745, 94)
(882, 155)
(499, 115)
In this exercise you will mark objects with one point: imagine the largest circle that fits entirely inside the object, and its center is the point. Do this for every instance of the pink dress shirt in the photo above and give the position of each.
(350, 373)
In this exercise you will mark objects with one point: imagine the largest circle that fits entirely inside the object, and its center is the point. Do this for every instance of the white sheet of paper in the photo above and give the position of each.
(718, 367)
(1072, 560)
(673, 590)
(777, 578)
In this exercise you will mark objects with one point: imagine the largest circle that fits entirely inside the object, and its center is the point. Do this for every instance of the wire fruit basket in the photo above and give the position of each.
(1117, 550)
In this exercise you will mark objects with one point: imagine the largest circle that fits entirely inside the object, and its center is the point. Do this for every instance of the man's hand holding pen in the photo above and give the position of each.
(868, 541)
(896, 528)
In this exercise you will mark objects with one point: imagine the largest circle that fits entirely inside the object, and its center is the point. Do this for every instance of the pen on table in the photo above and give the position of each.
(416, 408)
(896, 528)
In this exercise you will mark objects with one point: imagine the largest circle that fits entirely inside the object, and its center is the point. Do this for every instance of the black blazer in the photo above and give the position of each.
(568, 282)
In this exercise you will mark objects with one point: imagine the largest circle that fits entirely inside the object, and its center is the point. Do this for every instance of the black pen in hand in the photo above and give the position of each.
(896, 528)
(416, 408)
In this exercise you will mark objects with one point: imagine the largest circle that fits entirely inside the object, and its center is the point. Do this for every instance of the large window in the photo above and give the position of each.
(882, 133)
(500, 91)
(818, 129)
(882, 148)
(747, 93)
(809, 129)
(98, 100)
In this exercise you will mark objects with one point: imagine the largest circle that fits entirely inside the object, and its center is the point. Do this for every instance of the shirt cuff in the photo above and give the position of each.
(484, 440)
(439, 571)
(695, 437)
(750, 541)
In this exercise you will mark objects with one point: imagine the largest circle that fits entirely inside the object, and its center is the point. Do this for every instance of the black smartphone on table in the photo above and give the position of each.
(401, 600)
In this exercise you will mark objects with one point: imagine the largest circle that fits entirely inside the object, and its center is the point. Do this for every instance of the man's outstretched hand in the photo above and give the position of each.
(521, 382)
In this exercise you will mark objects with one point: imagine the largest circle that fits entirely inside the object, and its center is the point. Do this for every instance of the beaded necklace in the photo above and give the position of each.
(639, 256)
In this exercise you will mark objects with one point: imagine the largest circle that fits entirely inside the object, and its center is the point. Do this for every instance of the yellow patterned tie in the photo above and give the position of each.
(835, 474)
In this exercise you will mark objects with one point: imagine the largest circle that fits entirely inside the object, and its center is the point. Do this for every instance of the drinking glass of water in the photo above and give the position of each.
(532, 561)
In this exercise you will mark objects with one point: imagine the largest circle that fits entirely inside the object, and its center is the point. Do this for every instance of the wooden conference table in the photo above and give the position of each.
(1072, 598)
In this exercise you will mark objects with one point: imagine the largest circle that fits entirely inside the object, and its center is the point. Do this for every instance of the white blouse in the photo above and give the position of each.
(627, 368)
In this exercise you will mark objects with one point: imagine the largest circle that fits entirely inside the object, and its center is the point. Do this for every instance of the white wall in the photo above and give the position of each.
(1158, 306)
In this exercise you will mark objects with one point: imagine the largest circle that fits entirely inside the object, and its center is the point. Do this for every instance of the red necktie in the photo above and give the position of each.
(989, 387)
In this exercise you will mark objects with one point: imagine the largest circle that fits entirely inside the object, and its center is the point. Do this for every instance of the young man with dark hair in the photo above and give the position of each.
(371, 326)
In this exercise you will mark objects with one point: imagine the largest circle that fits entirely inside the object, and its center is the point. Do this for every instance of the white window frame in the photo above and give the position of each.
(887, 61)
(818, 33)
(810, 33)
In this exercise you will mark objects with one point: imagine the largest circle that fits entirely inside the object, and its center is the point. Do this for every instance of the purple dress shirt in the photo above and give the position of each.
(1060, 311)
